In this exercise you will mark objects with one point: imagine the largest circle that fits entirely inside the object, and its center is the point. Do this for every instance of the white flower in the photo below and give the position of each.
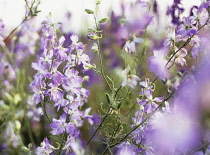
(130, 44)
(130, 80)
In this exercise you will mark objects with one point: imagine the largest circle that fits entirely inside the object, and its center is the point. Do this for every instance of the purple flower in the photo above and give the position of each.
(75, 44)
(146, 84)
(187, 29)
(138, 18)
(75, 113)
(42, 68)
(125, 148)
(60, 51)
(55, 93)
(150, 103)
(157, 64)
(173, 131)
(60, 126)
(88, 117)
(61, 103)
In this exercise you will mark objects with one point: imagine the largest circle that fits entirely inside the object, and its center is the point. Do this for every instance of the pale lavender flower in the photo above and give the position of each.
(55, 92)
(46, 148)
(75, 44)
(42, 68)
(138, 17)
(59, 126)
(60, 51)
(33, 112)
(76, 115)
(157, 64)
(150, 103)
(38, 96)
(146, 85)
(12, 137)
(88, 117)
(130, 80)
(82, 58)
(130, 46)
(178, 58)
(61, 103)
(199, 16)
(173, 131)
(171, 37)
(125, 148)
(187, 29)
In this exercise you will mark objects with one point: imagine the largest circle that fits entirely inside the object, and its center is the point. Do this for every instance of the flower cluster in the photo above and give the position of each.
(159, 103)
(63, 88)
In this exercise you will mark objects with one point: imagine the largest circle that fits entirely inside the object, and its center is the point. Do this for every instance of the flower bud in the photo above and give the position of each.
(95, 48)
(17, 125)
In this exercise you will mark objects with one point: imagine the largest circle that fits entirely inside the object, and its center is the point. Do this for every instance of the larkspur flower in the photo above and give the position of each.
(130, 46)
(178, 58)
(171, 37)
(186, 29)
(129, 79)
(199, 16)
(46, 148)
(150, 103)
(60, 126)
(75, 44)
(55, 92)
(59, 51)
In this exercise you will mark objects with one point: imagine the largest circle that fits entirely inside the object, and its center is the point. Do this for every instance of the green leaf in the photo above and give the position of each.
(103, 20)
(108, 99)
(89, 11)
(92, 30)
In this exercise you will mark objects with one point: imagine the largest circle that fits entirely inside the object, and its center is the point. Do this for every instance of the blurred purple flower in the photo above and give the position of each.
(157, 63)
(125, 148)
(130, 46)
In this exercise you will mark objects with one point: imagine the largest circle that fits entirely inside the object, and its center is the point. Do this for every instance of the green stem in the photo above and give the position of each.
(96, 130)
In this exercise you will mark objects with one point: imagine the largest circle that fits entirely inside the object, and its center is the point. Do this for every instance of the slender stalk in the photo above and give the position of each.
(43, 106)
(114, 133)
(97, 129)
(100, 56)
